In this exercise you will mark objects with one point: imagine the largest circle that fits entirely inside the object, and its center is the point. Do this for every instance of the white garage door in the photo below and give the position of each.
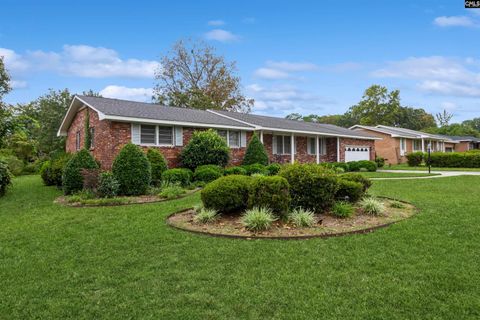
(357, 153)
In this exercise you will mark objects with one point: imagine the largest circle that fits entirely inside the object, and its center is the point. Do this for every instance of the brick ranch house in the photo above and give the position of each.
(396, 143)
(463, 143)
(114, 123)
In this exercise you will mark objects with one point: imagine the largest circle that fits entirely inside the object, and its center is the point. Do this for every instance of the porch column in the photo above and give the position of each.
(261, 136)
(423, 145)
(338, 149)
(317, 149)
(292, 148)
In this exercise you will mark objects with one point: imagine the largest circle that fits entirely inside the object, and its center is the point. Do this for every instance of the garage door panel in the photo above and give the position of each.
(354, 153)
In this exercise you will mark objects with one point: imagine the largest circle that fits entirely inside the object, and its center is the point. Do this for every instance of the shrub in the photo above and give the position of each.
(311, 186)
(5, 178)
(172, 191)
(273, 169)
(53, 172)
(255, 152)
(349, 190)
(270, 192)
(397, 204)
(415, 158)
(336, 165)
(301, 218)
(372, 206)
(132, 170)
(15, 165)
(380, 161)
(181, 176)
(205, 147)
(108, 186)
(455, 159)
(207, 173)
(367, 183)
(72, 179)
(365, 164)
(158, 165)
(342, 210)
(235, 170)
(256, 168)
(258, 219)
(90, 179)
(205, 216)
(227, 194)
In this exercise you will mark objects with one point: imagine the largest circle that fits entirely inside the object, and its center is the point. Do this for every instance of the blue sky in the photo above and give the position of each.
(292, 56)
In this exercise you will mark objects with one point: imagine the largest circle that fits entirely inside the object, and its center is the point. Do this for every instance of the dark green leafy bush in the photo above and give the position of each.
(207, 173)
(205, 147)
(108, 186)
(255, 152)
(334, 165)
(380, 161)
(52, 170)
(455, 159)
(356, 177)
(132, 170)
(5, 178)
(415, 158)
(158, 165)
(15, 165)
(349, 190)
(311, 186)
(256, 168)
(273, 169)
(365, 164)
(235, 170)
(72, 179)
(270, 192)
(181, 176)
(227, 194)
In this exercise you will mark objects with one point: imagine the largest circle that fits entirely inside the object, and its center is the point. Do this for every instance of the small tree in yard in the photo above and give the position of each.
(72, 176)
(158, 163)
(256, 152)
(205, 147)
(132, 170)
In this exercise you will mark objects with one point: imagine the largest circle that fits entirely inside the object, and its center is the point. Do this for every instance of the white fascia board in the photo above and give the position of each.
(62, 131)
(318, 133)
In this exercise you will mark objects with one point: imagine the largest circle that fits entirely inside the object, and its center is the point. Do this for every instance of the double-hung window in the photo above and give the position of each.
(77, 140)
(283, 144)
(312, 146)
(403, 146)
(147, 134)
(156, 135)
(165, 136)
(92, 137)
(417, 145)
(231, 137)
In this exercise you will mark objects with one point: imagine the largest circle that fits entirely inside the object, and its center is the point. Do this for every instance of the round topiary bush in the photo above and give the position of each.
(349, 190)
(132, 170)
(255, 152)
(205, 147)
(72, 179)
(415, 158)
(158, 165)
(356, 177)
(207, 173)
(227, 194)
(5, 178)
(181, 176)
(270, 192)
(311, 186)
(235, 170)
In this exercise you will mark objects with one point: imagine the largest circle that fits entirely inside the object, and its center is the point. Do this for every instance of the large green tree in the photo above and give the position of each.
(6, 114)
(192, 75)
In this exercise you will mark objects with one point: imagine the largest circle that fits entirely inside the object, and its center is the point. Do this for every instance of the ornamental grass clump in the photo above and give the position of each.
(301, 218)
(372, 206)
(172, 191)
(258, 219)
(205, 216)
(342, 210)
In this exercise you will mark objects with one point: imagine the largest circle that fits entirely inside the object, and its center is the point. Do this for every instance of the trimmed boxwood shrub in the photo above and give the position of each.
(311, 186)
(271, 192)
(107, 186)
(158, 165)
(132, 170)
(415, 158)
(455, 159)
(207, 173)
(235, 170)
(255, 152)
(380, 161)
(273, 169)
(205, 147)
(356, 177)
(227, 194)
(334, 165)
(182, 176)
(365, 164)
(256, 168)
(51, 171)
(349, 190)
(72, 179)
(5, 178)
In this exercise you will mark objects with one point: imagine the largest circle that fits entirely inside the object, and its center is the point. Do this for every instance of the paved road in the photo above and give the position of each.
(441, 174)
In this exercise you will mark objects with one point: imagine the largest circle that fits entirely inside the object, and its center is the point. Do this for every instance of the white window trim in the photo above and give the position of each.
(228, 138)
(283, 144)
(403, 146)
(321, 141)
(156, 144)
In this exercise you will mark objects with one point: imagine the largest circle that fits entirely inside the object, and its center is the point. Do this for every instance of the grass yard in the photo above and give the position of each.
(405, 166)
(124, 262)
(380, 174)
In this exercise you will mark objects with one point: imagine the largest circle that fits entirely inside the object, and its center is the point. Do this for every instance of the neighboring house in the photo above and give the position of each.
(114, 123)
(396, 143)
(463, 143)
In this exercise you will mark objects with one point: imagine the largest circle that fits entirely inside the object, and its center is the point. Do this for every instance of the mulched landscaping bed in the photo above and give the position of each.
(326, 224)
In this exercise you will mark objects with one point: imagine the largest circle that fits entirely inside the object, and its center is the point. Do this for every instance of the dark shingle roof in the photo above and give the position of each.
(125, 108)
(463, 138)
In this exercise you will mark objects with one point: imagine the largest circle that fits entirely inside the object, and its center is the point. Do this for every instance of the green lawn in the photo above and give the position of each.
(124, 262)
(380, 174)
(405, 166)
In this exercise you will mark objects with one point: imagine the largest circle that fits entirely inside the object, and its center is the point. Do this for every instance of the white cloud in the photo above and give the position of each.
(121, 92)
(271, 74)
(454, 21)
(292, 66)
(216, 23)
(18, 84)
(221, 35)
(80, 60)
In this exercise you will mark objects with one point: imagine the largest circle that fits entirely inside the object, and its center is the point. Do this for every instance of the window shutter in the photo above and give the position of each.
(274, 144)
(295, 145)
(135, 133)
(179, 136)
(243, 139)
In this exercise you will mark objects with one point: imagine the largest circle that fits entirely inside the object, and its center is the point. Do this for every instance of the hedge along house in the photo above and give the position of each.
(396, 143)
(463, 143)
(114, 123)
